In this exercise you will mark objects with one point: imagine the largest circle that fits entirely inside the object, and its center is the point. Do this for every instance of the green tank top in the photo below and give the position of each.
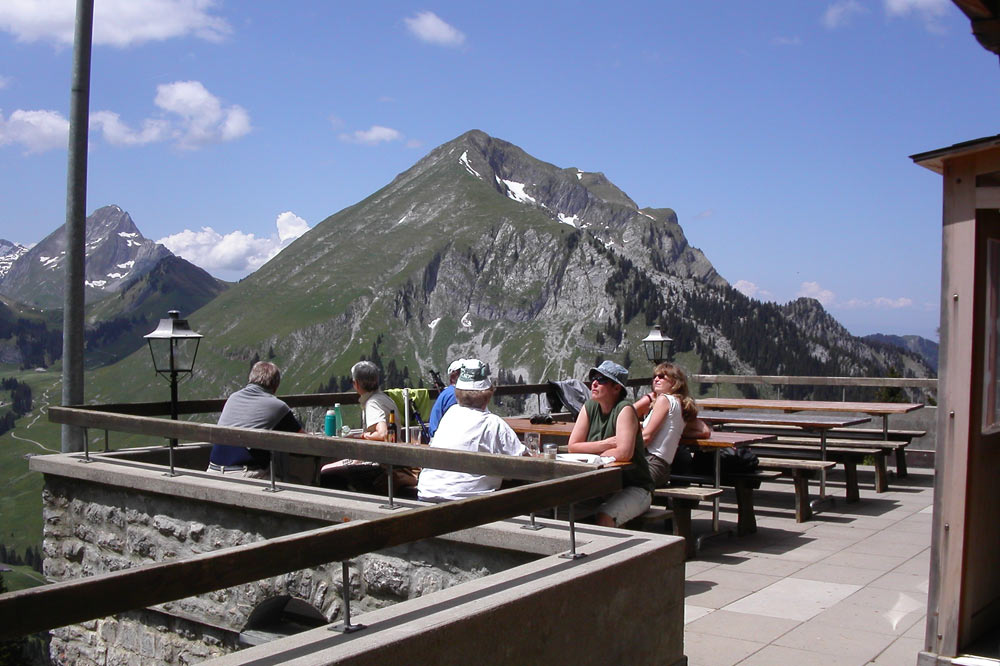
(603, 426)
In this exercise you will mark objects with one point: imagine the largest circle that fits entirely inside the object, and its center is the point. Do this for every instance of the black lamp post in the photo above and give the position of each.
(174, 347)
(657, 346)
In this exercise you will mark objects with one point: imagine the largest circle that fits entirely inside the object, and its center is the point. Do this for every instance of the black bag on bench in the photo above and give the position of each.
(731, 461)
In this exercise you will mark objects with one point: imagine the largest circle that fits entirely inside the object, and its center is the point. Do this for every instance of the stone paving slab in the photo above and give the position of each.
(848, 587)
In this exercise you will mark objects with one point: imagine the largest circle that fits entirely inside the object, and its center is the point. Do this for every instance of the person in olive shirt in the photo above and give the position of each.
(609, 426)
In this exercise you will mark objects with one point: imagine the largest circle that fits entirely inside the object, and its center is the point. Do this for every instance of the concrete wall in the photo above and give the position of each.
(105, 516)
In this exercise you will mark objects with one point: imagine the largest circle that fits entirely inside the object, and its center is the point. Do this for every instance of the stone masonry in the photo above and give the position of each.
(90, 528)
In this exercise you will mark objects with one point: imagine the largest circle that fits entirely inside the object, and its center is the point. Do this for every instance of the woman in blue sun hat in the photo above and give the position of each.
(609, 427)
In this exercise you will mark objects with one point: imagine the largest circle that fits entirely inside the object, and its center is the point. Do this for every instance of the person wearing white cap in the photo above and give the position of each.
(469, 426)
(446, 399)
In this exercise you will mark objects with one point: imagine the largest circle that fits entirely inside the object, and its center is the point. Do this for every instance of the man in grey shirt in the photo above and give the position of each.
(253, 406)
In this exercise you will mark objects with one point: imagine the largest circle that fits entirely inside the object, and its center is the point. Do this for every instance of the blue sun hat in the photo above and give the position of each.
(612, 371)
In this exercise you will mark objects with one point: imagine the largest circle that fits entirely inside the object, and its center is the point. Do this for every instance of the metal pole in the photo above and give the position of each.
(76, 222)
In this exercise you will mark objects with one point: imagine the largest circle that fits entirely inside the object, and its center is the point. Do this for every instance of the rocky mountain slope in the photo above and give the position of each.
(481, 250)
(131, 283)
(116, 252)
(926, 349)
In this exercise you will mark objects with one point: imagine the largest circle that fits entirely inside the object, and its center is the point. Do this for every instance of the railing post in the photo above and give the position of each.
(170, 456)
(389, 484)
(272, 488)
(347, 627)
(572, 554)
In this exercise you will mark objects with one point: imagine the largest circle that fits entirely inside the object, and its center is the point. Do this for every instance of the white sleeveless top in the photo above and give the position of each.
(665, 440)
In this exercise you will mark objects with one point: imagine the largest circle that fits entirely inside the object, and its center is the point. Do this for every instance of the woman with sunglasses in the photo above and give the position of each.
(609, 426)
(668, 413)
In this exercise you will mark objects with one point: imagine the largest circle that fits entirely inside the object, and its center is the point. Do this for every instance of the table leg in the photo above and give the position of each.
(715, 505)
(823, 497)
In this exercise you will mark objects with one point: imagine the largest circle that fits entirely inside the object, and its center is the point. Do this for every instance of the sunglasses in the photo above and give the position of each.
(600, 379)
(659, 376)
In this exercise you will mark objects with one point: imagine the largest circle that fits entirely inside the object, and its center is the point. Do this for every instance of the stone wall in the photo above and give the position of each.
(92, 528)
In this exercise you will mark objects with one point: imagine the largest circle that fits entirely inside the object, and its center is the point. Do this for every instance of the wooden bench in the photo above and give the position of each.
(800, 471)
(896, 443)
(849, 457)
(653, 515)
(744, 483)
(683, 499)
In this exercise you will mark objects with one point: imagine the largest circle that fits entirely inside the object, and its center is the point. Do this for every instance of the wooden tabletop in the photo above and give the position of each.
(873, 408)
(801, 420)
(717, 440)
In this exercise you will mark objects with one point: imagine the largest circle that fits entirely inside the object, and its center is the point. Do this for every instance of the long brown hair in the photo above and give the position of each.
(679, 389)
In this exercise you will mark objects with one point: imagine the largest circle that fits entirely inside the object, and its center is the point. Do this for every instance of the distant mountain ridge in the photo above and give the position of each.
(131, 282)
(926, 349)
(9, 253)
(115, 251)
(479, 249)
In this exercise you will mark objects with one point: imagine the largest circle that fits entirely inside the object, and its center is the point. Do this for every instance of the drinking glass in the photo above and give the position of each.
(531, 442)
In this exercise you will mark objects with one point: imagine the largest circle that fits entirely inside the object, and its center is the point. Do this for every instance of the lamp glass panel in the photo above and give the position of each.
(159, 348)
(185, 351)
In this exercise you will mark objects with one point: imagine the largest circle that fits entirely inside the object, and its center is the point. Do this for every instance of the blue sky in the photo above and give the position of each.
(779, 131)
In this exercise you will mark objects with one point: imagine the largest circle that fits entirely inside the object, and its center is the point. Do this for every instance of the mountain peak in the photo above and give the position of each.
(116, 252)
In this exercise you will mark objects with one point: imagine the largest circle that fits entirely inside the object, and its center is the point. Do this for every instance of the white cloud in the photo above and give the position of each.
(927, 10)
(427, 27)
(705, 214)
(893, 303)
(237, 252)
(290, 226)
(813, 290)
(922, 7)
(786, 41)
(414, 143)
(751, 290)
(374, 135)
(877, 303)
(841, 12)
(118, 23)
(36, 131)
(118, 133)
(4, 82)
(203, 119)
(195, 117)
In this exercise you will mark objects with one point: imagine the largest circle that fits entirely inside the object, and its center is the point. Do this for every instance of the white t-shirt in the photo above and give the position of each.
(375, 408)
(665, 440)
(467, 429)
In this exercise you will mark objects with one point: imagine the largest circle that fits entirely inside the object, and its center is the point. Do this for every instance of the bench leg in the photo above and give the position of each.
(851, 479)
(682, 522)
(747, 520)
(881, 474)
(803, 511)
(901, 463)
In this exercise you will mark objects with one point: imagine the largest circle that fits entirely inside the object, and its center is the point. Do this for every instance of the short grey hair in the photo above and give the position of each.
(266, 375)
(365, 373)
(475, 399)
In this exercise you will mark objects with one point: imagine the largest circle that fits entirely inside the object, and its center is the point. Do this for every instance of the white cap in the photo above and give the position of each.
(475, 376)
(456, 365)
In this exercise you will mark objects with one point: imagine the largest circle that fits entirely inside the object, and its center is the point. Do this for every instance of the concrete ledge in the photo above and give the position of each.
(621, 603)
(545, 608)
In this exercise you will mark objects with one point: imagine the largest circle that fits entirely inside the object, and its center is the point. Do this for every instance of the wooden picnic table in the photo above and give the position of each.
(883, 409)
(819, 422)
(716, 442)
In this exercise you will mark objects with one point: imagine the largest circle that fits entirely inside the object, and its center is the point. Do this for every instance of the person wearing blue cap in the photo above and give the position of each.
(609, 427)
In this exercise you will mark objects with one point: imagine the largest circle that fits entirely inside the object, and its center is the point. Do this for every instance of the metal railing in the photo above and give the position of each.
(554, 483)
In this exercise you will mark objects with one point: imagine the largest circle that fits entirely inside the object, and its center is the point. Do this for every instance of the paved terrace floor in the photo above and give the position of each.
(847, 587)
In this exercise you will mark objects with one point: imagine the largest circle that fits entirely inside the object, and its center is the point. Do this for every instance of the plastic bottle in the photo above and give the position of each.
(340, 418)
(330, 423)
